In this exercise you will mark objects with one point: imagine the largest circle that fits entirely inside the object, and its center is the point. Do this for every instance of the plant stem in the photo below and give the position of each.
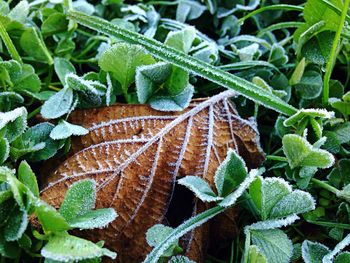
(271, 7)
(325, 186)
(8, 43)
(186, 62)
(332, 57)
(276, 158)
(182, 229)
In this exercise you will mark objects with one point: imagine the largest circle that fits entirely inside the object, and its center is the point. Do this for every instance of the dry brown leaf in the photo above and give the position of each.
(135, 153)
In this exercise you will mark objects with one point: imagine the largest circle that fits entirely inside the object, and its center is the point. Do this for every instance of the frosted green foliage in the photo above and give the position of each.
(180, 259)
(79, 199)
(4, 149)
(17, 223)
(35, 143)
(28, 178)
(185, 62)
(296, 202)
(249, 52)
(121, 61)
(255, 255)
(67, 248)
(274, 198)
(83, 6)
(173, 102)
(20, 11)
(189, 10)
(65, 129)
(13, 123)
(58, 104)
(94, 219)
(300, 152)
(230, 174)
(200, 188)
(49, 218)
(159, 233)
(274, 244)
(313, 252)
(62, 68)
(337, 249)
(231, 199)
(308, 113)
(272, 223)
(149, 78)
(181, 40)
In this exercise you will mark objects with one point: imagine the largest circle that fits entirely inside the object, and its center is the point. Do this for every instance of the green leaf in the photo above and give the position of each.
(173, 102)
(342, 132)
(28, 178)
(317, 49)
(50, 219)
(38, 135)
(296, 202)
(341, 106)
(300, 152)
(255, 255)
(32, 43)
(313, 252)
(342, 258)
(20, 11)
(79, 199)
(13, 123)
(58, 104)
(10, 100)
(310, 85)
(274, 244)
(16, 224)
(65, 129)
(4, 149)
(278, 55)
(298, 72)
(149, 78)
(70, 248)
(200, 188)
(230, 174)
(19, 191)
(55, 23)
(158, 234)
(304, 113)
(316, 11)
(340, 173)
(189, 10)
(181, 40)
(122, 59)
(345, 193)
(94, 219)
(62, 68)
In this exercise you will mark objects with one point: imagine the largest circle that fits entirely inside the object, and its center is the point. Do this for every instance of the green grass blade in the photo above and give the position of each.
(186, 62)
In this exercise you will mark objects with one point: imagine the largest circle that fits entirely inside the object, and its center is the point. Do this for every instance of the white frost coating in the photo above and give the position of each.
(272, 224)
(10, 116)
(184, 146)
(109, 89)
(88, 83)
(229, 117)
(131, 119)
(232, 198)
(272, 180)
(339, 247)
